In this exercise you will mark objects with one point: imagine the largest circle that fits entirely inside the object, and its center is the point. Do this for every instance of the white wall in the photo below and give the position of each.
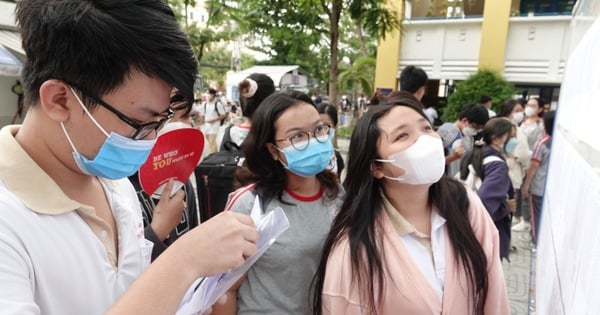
(7, 17)
(568, 253)
(445, 49)
(536, 48)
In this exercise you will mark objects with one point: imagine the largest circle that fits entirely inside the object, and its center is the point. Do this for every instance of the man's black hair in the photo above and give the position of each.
(97, 44)
(475, 113)
(412, 78)
(484, 99)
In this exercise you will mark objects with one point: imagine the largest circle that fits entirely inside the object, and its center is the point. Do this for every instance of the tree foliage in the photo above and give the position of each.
(324, 37)
(288, 32)
(219, 27)
(484, 81)
(314, 33)
(359, 76)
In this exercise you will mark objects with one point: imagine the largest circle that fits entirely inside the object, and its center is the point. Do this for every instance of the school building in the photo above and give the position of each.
(526, 41)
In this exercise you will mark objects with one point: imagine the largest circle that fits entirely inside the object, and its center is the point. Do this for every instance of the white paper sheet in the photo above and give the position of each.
(205, 292)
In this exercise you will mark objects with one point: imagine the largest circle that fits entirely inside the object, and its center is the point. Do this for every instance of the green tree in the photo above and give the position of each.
(484, 81)
(215, 64)
(374, 18)
(289, 32)
(360, 74)
(302, 31)
(221, 24)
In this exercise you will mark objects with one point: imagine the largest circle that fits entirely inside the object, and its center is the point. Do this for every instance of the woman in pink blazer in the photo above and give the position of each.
(407, 240)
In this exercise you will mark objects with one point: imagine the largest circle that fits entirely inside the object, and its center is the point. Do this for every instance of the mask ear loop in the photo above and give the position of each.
(278, 159)
(68, 138)
(398, 179)
(88, 113)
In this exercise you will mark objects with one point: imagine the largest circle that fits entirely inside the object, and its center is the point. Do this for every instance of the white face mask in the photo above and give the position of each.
(469, 131)
(423, 162)
(518, 117)
(530, 111)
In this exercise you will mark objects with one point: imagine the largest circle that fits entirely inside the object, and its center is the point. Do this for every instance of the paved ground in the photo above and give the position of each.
(517, 273)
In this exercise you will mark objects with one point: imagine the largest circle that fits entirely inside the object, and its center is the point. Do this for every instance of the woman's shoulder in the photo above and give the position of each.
(242, 199)
(492, 155)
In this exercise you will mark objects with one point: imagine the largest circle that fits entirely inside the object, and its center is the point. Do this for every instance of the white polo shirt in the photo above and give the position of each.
(211, 110)
(56, 255)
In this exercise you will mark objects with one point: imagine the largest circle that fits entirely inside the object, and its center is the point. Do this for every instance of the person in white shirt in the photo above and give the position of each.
(414, 80)
(211, 113)
(431, 113)
(98, 82)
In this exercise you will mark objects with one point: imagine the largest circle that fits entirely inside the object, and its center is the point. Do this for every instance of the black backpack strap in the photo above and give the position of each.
(226, 143)
(227, 134)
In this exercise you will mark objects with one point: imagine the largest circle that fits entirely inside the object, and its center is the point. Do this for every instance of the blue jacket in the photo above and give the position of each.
(495, 189)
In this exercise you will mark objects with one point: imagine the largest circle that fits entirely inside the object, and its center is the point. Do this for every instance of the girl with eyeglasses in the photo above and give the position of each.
(288, 151)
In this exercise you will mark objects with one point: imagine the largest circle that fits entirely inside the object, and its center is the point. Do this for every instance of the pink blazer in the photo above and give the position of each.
(406, 291)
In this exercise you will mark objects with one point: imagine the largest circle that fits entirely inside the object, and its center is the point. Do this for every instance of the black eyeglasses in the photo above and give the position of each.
(300, 139)
(141, 130)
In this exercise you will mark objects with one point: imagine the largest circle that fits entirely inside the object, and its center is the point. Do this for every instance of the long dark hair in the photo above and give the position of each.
(268, 173)
(494, 128)
(358, 220)
(507, 107)
(329, 110)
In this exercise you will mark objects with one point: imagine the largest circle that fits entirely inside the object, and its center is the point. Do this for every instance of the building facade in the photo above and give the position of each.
(526, 41)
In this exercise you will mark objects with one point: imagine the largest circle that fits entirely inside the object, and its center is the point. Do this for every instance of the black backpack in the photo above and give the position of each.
(215, 177)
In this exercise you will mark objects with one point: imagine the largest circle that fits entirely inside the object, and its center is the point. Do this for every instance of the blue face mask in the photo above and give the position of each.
(118, 156)
(510, 145)
(310, 161)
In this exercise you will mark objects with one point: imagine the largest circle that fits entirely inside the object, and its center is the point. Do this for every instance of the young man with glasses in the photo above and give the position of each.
(98, 82)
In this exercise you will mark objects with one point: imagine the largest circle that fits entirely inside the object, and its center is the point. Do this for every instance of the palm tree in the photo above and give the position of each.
(360, 74)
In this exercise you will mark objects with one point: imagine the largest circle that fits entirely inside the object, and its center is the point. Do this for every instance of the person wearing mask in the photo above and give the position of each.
(532, 126)
(211, 113)
(518, 161)
(414, 80)
(407, 239)
(536, 175)
(98, 82)
(488, 162)
(458, 137)
(172, 214)
(329, 116)
(288, 150)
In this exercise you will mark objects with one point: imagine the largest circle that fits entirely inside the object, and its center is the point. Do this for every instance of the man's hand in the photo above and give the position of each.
(167, 213)
(525, 191)
(218, 245)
